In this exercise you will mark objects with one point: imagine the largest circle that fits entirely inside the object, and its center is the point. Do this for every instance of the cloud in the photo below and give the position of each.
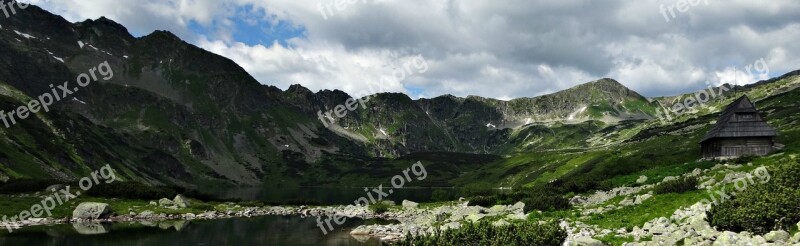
(505, 49)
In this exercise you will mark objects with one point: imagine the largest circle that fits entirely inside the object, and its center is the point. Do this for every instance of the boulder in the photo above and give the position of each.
(669, 178)
(518, 207)
(146, 214)
(796, 238)
(360, 230)
(727, 238)
(587, 241)
(496, 209)
(410, 204)
(777, 236)
(388, 203)
(165, 202)
(92, 211)
(181, 201)
(641, 179)
(500, 222)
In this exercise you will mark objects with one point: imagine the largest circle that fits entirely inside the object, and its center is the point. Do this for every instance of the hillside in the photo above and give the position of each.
(176, 114)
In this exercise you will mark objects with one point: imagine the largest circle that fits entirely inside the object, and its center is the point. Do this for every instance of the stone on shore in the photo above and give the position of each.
(181, 201)
(410, 204)
(777, 236)
(165, 202)
(92, 211)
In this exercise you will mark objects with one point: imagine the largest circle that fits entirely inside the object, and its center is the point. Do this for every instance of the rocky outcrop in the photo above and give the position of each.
(92, 211)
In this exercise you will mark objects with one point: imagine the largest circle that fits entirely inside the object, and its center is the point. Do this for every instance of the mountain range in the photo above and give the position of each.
(176, 114)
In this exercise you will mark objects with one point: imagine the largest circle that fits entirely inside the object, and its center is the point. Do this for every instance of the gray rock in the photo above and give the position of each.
(475, 217)
(641, 198)
(727, 238)
(165, 202)
(518, 207)
(587, 241)
(146, 214)
(641, 179)
(181, 201)
(92, 210)
(153, 203)
(500, 222)
(795, 239)
(669, 178)
(777, 236)
(410, 204)
(496, 209)
(360, 230)
(388, 203)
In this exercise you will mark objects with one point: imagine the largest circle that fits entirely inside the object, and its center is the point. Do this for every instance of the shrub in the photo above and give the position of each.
(203, 207)
(546, 203)
(483, 201)
(16, 186)
(762, 207)
(484, 233)
(744, 159)
(440, 195)
(132, 190)
(677, 186)
(379, 208)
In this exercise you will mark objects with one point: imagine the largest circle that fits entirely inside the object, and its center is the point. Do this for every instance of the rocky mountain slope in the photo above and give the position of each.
(176, 114)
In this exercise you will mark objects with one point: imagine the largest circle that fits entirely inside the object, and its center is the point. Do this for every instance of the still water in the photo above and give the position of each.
(266, 230)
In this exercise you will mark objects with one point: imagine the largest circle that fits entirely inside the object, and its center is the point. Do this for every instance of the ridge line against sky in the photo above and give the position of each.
(502, 50)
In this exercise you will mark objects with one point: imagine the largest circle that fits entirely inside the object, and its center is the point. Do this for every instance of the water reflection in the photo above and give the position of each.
(267, 230)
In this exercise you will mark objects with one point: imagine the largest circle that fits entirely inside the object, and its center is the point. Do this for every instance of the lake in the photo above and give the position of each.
(265, 230)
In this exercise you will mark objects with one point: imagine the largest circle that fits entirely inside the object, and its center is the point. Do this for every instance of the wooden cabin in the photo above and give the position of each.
(739, 131)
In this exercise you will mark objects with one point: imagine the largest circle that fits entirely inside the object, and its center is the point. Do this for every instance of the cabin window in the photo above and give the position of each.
(746, 116)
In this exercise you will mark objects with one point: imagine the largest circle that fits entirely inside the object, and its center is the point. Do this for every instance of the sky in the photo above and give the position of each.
(501, 49)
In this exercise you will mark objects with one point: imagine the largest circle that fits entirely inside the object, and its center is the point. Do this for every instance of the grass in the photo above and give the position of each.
(655, 207)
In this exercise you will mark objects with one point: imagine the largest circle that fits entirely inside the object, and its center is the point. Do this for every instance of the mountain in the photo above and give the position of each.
(176, 114)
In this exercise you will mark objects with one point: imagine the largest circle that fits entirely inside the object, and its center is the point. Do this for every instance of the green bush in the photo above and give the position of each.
(131, 190)
(483, 233)
(762, 207)
(439, 195)
(16, 186)
(483, 201)
(379, 208)
(676, 186)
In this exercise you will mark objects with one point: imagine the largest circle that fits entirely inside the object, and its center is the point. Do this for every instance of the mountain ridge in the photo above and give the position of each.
(180, 115)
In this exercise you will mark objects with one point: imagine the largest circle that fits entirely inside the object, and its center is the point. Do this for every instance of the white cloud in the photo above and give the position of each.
(502, 49)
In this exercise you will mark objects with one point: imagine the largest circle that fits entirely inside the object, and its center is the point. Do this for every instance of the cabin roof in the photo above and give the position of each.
(729, 126)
